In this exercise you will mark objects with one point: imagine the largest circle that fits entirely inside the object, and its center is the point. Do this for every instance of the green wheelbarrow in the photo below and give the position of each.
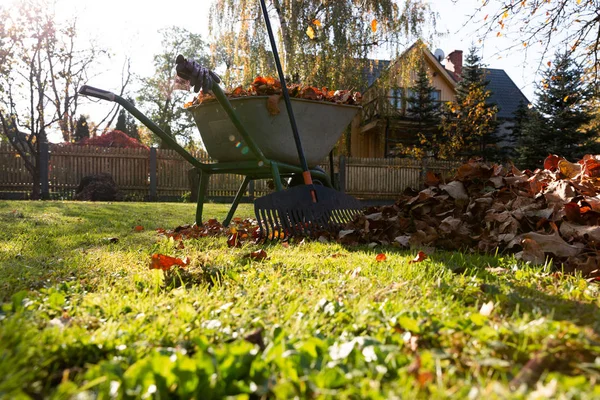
(245, 139)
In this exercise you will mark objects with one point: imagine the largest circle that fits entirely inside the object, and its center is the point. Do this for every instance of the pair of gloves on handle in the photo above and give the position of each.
(199, 77)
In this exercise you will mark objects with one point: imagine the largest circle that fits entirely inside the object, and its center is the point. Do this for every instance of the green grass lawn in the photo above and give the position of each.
(85, 316)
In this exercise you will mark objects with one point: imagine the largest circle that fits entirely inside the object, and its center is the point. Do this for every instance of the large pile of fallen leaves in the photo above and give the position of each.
(272, 87)
(548, 214)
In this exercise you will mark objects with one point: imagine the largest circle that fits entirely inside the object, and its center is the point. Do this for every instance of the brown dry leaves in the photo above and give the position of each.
(551, 213)
(268, 86)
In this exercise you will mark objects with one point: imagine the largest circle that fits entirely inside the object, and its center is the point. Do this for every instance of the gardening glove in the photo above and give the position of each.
(199, 77)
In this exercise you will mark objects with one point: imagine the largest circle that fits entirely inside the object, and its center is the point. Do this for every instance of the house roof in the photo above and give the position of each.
(505, 93)
(374, 70)
(376, 67)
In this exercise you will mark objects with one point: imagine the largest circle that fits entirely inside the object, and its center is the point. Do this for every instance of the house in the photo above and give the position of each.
(384, 123)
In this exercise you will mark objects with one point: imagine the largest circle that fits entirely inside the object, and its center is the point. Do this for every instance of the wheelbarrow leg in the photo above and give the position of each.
(276, 177)
(236, 200)
(202, 188)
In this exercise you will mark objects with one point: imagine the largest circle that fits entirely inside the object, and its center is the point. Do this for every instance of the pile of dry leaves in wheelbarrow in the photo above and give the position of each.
(550, 213)
(268, 86)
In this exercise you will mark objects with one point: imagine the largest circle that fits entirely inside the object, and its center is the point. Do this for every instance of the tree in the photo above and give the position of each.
(423, 108)
(561, 124)
(323, 43)
(469, 123)
(568, 24)
(126, 123)
(157, 96)
(82, 130)
(40, 72)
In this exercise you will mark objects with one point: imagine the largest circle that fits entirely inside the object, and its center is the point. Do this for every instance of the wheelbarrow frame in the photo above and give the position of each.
(259, 168)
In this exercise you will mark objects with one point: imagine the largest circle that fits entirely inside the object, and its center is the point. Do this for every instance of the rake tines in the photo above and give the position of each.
(293, 213)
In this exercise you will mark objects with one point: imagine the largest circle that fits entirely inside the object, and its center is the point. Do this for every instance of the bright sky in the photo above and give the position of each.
(128, 27)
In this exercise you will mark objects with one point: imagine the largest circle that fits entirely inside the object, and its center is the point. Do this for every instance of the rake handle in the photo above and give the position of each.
(288, 103)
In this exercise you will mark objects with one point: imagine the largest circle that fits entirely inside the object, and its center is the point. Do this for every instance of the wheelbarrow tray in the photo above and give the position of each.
(320, 125)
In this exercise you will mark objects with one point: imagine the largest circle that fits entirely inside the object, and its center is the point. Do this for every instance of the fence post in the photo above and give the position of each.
(44, 161)
(342, 174)
(153, 185)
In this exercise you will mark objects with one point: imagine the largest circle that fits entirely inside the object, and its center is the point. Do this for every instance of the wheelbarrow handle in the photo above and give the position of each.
(91, 91)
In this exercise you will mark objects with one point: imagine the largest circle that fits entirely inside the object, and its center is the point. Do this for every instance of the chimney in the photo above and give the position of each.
(455, 63)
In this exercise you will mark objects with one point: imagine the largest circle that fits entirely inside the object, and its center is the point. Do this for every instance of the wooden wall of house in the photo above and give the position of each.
(371, 142)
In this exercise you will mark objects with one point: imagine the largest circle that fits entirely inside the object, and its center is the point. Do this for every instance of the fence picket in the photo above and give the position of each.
(365, 177)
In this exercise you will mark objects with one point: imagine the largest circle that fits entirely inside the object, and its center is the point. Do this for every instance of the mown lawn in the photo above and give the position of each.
(85, 316)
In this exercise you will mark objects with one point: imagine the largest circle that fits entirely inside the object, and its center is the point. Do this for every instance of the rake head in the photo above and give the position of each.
(292, 212)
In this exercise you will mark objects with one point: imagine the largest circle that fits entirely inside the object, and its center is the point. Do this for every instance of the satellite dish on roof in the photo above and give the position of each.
(439, 54)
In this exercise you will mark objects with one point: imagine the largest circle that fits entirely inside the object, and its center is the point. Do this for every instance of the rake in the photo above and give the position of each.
(304, 210)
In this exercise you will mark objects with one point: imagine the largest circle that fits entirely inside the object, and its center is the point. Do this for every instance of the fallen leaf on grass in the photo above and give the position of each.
(180, 245)
(553, 244)
(487, 308)
(380, 257)
(138, 228)
(257, 255)
(234, 240)
(112, 240)
(531, 372)
(421, 256)
(163, 262)
(256, 338)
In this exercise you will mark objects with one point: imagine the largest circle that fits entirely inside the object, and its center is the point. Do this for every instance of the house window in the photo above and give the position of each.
(436, 95)
(395, 96)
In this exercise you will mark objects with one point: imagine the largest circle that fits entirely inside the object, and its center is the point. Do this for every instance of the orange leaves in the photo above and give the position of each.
(310, 32)
(380, 257)
(421, 256)
(165, 263)
(374, 26)
(268, 86)
(138, 228)
(257, 255)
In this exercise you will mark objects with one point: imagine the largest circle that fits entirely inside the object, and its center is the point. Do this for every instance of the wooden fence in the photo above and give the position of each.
(365, 178)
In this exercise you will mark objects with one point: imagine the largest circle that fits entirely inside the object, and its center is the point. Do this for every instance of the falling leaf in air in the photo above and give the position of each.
(310, 32)
(549, 63)
(138, 228)
(380, 257)
(374, 26)
(163, 262)
(418, 258)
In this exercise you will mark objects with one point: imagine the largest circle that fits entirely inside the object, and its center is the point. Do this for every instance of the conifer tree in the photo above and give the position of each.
(562, 124)
(82, 130)
(469, 123)
(423, 108)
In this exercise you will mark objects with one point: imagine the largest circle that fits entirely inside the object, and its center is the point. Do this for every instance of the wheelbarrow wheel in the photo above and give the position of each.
(297, 179)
